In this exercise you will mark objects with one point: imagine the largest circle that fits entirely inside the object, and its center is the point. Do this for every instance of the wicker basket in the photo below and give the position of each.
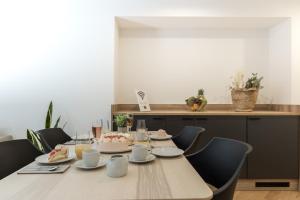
(244, 100)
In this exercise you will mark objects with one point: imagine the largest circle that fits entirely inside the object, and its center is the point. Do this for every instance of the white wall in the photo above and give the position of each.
(172, 65)
(64, 51)
(280, 63)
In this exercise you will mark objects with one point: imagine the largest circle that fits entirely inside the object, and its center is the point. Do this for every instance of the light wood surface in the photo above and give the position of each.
(210, 110)
(208, 113)
(172, 178)
(267, 195)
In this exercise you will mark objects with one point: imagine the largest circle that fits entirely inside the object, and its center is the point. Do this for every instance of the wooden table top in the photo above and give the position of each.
(164, 178)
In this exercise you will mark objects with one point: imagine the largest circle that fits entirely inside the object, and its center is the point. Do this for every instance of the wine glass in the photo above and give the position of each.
(129, 122)
(97, 128)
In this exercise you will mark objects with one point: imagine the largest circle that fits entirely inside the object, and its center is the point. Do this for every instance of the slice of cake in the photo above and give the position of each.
(161, 133)
(59, 153)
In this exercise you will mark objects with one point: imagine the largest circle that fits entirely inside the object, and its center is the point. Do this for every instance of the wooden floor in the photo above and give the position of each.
(267, 195)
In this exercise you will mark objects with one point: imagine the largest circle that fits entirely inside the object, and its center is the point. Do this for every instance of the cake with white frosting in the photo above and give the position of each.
(113, 141)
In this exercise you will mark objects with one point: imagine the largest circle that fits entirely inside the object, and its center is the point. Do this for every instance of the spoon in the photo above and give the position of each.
(53, 169)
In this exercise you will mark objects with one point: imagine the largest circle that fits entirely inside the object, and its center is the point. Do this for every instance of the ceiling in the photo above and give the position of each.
(198, 22)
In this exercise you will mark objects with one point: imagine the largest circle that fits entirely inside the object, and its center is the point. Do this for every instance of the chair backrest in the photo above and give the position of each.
(15, 154)
(187, 137)
(219, 163)
(51, 137)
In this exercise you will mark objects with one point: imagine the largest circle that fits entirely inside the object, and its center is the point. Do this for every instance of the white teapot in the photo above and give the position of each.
(117, 166)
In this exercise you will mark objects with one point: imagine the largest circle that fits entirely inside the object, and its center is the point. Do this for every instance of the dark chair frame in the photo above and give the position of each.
(19, 153)
(195, 139)
(231, 183)
(46, 144)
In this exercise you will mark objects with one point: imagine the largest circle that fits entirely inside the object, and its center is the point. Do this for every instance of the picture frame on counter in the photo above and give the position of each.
(142, 99)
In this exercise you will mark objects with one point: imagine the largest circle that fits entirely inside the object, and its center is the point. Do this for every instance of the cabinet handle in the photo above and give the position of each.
(254, 118)
(202, 119)
(187, 119)
(158, 118)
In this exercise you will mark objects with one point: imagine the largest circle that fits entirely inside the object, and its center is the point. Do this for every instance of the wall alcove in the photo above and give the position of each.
(171, 57)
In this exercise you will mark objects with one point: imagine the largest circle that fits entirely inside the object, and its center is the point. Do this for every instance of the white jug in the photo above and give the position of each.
(117, 166)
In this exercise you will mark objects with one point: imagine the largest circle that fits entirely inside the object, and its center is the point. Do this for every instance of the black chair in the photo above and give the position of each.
(51, 137)
(187, 137)
(219, 163)
(16, 154)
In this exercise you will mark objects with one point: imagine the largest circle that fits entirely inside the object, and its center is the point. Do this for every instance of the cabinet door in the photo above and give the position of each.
(227, 127)
(175, 124)
(275, 147)
(223, 126)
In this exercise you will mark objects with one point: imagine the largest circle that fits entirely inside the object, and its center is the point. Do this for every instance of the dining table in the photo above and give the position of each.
(163, 178)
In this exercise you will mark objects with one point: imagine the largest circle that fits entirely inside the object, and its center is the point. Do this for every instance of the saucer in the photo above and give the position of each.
(167, 152)
(79, 164)
(149, 158)
(157, 137)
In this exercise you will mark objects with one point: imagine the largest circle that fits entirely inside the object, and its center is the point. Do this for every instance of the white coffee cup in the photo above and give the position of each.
(90, 157)
(117, 166)
(139, 152)
(140, 135)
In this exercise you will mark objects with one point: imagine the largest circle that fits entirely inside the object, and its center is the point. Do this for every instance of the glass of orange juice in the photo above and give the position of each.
(79, 148)
(82, 144)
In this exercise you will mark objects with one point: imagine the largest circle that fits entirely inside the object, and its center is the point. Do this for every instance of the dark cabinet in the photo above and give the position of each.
(153, 123)
(174, 124)
(275, 147)
(221, 126)
(274, 139)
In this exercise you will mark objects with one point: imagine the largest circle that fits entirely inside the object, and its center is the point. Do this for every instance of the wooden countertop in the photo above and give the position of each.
(208, 113)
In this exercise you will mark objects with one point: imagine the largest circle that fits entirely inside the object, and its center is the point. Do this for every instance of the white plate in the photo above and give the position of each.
(157, 137)
(149, 158)
(115, 150)
(167, 151)
(79, 164)
(43, 159)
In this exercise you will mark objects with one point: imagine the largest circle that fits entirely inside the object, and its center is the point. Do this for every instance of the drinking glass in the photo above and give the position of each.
(82, 145)
(129, 122)
(141, 128)
(97, 128)
(141, 125)
(107, 128)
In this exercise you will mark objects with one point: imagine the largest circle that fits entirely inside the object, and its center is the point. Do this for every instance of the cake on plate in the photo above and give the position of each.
(115, 141)
(59, 153)
(161, 133)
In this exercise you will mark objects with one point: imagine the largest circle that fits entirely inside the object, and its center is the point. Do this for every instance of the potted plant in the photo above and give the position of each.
(34, 137)
(121, 122)
(244, 95)
(197, 103)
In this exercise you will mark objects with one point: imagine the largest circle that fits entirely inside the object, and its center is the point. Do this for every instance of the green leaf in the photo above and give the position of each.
(29, 136)
(57, 122)
(35, 139)
(63, 127)
(49, 116)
